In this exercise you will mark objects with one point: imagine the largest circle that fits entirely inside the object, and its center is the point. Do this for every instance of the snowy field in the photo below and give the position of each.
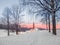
(38, 37)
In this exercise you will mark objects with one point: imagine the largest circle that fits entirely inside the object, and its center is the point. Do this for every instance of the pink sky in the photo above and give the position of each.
(38, 26)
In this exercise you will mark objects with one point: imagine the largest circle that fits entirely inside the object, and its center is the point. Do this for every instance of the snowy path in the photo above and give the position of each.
(33, 38)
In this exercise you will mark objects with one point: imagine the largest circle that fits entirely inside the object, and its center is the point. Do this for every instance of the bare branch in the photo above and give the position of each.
(44, 6)
(57, 9)
(47, 2)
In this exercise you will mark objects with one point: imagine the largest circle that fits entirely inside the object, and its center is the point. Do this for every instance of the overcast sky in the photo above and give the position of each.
(9, 3)
(6, 3)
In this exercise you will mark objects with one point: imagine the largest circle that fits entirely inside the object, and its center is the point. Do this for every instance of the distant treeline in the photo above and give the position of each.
(13, 27)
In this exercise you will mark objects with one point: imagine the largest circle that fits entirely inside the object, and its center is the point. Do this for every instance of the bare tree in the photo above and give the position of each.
(52, 6)
(15, 14)
(45, 19)
(49, 22)
(6, 16)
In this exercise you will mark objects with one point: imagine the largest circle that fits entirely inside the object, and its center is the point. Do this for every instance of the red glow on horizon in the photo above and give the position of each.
(38, 26)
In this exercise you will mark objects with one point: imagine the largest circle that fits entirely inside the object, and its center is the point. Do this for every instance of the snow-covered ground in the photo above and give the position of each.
(38, 37)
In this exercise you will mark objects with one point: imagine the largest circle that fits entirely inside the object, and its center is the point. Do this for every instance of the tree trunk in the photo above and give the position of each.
(33, 25)
(53, 17)
(46, 24)
(16, 29)
(8, 23)
(8, 26)
(46, 21)
(54, 24)
(49, 22)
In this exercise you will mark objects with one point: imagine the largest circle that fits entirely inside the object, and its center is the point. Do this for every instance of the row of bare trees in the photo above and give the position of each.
(52, 6)
(46, 8)
(9, 14)
(12, 16)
